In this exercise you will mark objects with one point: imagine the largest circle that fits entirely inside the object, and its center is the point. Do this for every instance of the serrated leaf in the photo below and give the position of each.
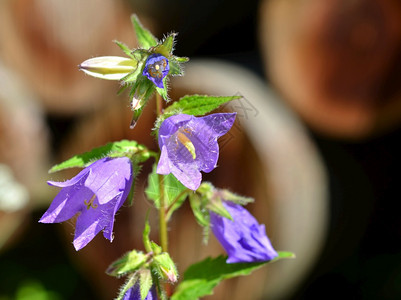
(201, 278)
(145, 38)
(174, 191)
(198, 105)
(115, 149)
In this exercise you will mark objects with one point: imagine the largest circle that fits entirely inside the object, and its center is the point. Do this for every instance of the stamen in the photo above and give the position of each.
(90, 203)
(185, 141)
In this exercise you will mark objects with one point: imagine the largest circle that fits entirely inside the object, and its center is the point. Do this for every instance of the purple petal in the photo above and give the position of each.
(156, 68)
(96, 193)
(243, 238)
(134, 293)
(108, 178)
(68, 201)
(189, 145)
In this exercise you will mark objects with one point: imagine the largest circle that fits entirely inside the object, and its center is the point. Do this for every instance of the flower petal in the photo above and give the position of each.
(112, 176)
(243, 238)
(67, 202)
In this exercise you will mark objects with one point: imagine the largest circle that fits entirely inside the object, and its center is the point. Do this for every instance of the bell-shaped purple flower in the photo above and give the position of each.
(96, 193)
(134, 293)
(243, 238)
(156, 68)
(189, 145)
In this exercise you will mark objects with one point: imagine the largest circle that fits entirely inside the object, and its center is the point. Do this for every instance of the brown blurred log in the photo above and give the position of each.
(337, 63)
(24, 154)
(46, 41)
(267, 156)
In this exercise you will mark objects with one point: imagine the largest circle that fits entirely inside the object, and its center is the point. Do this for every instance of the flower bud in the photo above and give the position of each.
(108, 67)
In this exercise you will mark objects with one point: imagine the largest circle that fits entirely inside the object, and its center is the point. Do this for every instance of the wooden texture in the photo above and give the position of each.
(337, 63)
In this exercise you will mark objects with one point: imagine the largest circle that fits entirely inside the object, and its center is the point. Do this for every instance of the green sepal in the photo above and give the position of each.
(198, 206)
(137, 73)
(114, 149)
(164, 267)
(201, 278)
(128, 263)
(145, 282)
(145, 38)
(163, 92)
(214, 197)
(233, 197)
(201, 214)
(125, 49)
(174, 191)
(166, 47)
(175, 67)
(132, 279)
(211, 200)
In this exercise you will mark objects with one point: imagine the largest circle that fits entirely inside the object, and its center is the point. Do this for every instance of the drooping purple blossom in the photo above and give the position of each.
(156, 68)
(189, 145)
(96, 193)
(134, 293)
(243, 238)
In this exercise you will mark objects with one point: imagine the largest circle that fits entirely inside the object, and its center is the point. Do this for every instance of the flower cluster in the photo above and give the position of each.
(188, 145)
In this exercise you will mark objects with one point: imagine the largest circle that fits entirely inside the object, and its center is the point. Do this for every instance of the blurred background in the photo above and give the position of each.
(315, 141)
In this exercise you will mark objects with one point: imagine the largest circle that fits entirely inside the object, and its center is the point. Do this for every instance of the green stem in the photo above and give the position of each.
(162, 210)
(162, 217)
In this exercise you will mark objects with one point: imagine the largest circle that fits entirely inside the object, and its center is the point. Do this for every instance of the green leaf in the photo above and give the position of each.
(145, 282)
(128, 263)
(114, 149)
(145, 38)
(201, 278)
(198, 105)
(174, 191)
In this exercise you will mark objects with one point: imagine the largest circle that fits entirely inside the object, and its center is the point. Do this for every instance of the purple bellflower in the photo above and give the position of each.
(244, 240)
(156, 68)
(189, 145)
(96, 193)
(134, 293)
